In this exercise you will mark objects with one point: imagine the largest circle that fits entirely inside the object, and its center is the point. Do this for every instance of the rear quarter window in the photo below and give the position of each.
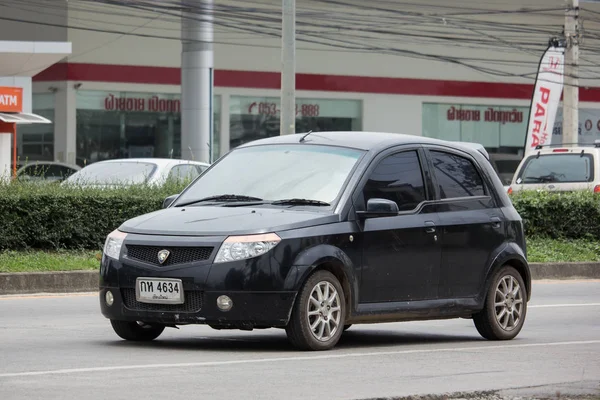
(557, 168)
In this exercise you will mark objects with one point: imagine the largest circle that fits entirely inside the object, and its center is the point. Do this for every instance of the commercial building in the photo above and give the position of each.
(455, 72)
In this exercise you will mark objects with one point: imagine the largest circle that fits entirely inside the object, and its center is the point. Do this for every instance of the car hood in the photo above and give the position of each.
(223, 221)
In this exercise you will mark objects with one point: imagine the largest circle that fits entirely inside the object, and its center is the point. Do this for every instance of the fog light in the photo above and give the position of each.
(224, 303)
(110, 299)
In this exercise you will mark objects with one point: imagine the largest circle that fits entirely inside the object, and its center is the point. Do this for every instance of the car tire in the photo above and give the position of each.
(505, 307)
(136, 331)
(320, 304)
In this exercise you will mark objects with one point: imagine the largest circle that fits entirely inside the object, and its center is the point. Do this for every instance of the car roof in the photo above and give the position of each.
(563, 149)
(158, 161)
(363, 140)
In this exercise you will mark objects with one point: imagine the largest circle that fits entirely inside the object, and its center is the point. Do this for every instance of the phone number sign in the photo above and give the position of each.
(270, 108)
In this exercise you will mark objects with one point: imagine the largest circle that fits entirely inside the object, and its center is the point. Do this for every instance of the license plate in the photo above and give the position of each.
(159, 291)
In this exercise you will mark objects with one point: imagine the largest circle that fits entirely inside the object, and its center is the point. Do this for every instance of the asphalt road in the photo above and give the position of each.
(60, 347)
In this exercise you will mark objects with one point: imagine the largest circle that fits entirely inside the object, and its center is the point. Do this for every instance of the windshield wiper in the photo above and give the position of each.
(221, 197)
(543, 178)
(301, 202)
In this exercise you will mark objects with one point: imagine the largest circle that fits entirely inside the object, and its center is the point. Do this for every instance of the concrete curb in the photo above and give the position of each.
(49, 282)
(87, 281)
(589, 270)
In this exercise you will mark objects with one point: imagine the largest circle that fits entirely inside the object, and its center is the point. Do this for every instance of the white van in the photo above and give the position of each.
(559, 168)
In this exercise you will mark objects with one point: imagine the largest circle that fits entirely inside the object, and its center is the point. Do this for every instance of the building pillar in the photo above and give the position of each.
(224, 138)
(197, 80)
(65, 123)
(6, 153)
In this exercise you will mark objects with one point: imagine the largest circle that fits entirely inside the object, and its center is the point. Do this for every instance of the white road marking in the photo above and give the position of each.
(329, 356)
(564, 305)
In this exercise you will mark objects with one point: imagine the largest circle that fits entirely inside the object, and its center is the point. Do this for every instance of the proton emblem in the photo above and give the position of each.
(163, 255)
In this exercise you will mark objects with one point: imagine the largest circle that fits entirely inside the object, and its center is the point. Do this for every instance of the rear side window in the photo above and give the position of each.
(507, 166)
(398, 178)
(556, 168)
(456, 176)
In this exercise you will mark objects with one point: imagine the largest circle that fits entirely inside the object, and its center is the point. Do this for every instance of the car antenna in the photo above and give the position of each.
(302, 138)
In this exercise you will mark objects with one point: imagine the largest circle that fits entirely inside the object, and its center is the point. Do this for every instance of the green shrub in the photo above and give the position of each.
(48, 216)
(574, 215)
(54, 217)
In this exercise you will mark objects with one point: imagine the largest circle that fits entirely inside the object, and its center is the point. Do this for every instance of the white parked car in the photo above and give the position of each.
(46, 171)
(136, 171)
(559, 168)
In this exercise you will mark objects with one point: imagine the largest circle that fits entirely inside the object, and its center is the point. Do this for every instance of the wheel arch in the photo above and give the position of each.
(511, 255)
(331, 259)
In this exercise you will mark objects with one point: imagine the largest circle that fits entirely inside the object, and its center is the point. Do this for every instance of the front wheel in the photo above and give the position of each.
(317, 320)
(505, 308)
(136, 331)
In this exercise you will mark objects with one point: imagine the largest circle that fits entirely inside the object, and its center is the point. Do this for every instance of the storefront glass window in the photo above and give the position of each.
(35, 142)
(127, 125)
(501, 129)
(253, 118)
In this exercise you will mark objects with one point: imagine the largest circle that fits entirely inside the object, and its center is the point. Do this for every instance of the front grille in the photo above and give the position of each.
(177, 255)
(192, 303)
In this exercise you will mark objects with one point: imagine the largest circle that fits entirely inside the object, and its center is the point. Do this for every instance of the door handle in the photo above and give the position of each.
(429, 227)
(496, 222)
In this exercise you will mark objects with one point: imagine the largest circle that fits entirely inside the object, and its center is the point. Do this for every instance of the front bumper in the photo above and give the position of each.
(250, 309)
(256, 287)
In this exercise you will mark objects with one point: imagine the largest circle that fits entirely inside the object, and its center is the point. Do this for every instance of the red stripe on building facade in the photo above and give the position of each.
(310, 82)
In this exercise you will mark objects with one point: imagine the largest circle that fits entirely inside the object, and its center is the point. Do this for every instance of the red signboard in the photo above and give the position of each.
(11, 99)
(152, 104)
(490, 115)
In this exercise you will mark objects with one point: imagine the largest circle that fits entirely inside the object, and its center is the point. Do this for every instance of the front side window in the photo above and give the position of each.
(184, 172)
(456, 176)
(397, 178)
(556, 168)
(278, 172)
(114, 173)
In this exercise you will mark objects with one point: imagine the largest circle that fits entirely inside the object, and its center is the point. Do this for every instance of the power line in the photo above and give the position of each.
(338, 43)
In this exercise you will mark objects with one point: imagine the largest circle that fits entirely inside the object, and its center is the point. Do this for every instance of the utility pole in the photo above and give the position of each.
(197, 80)
(570, 126)
(287, 122)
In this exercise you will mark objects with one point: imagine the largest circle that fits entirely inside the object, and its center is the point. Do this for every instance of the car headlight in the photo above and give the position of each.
(243, 247)
(113, 244)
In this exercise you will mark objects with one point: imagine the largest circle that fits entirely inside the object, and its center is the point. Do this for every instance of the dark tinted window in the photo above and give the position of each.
(47, 171)
(557, 168)
(398, 178)
(456, 176)
(507, 166)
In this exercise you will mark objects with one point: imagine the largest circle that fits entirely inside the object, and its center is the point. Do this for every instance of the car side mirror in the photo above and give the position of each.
(167, 202)
(380, 208)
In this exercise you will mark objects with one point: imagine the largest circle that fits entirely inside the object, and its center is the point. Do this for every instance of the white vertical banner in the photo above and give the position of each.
(546, 98)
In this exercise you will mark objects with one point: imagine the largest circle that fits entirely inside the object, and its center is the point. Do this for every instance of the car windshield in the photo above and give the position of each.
(556, 168)
(114, 173)
(277, 172)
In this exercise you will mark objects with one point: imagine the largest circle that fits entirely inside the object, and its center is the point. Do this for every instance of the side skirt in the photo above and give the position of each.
(373, 313)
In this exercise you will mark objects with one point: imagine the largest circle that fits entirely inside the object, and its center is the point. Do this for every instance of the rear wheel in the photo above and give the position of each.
(317, 320)
(503, 315)
(136, 330)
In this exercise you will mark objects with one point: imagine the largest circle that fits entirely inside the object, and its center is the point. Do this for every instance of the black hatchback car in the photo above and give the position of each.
(315, 232)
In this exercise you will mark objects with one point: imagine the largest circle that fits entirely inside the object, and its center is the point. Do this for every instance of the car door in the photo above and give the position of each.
(470, 223)
(400, 253)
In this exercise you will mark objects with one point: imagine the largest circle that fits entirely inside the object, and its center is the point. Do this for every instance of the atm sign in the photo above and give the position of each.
(11, 99)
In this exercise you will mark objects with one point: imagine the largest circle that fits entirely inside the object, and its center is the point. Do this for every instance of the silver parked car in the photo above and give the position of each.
(136, 171)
